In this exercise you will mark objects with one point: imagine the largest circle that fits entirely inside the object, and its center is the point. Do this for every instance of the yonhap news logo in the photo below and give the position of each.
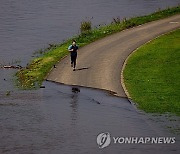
(105, 139)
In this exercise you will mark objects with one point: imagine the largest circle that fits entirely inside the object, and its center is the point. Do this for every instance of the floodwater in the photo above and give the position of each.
(58, 119)
(28, 25)
(64, 119)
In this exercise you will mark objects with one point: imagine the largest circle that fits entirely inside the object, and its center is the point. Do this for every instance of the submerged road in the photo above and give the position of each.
(99, 64)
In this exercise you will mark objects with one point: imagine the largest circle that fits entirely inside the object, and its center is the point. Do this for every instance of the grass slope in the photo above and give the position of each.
(152, 75)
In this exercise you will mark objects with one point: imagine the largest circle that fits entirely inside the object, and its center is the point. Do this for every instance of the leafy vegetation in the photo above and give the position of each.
(85, 26)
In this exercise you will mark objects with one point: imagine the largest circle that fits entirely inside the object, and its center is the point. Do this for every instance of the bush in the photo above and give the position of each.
(85, 26)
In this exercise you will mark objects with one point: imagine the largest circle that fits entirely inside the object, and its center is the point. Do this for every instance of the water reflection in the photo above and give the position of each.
(74, 104)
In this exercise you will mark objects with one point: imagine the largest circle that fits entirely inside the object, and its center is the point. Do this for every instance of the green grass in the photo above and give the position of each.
(33, 75)
(152, 75)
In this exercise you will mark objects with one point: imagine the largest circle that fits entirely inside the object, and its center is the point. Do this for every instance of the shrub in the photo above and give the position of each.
(85, 26)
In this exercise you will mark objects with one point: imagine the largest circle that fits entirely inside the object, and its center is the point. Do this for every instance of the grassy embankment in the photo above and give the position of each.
(38, 68)
(152, 75)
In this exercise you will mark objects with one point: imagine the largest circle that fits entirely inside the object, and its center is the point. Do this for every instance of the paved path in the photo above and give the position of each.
(100, 63)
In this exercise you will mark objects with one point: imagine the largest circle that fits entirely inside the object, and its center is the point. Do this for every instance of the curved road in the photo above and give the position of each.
(99, 64)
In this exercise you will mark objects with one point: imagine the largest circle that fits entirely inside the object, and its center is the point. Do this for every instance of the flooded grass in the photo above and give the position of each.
(33, 75)
(8, 93)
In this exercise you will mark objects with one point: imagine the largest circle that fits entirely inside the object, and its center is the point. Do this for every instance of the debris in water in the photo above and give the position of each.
(75, 90)
(11, 66)
(42, 86)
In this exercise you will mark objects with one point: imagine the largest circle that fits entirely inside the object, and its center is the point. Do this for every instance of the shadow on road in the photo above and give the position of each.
(83, 68)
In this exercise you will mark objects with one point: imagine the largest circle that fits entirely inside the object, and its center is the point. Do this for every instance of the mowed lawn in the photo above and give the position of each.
(152, 75)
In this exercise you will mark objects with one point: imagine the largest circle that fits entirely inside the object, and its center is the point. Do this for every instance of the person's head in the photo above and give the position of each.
(73, 42)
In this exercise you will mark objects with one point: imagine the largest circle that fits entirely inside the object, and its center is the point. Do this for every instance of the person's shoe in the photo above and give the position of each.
(71, 65)
(74, 69)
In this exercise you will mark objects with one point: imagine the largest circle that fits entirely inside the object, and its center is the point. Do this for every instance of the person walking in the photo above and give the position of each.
(73, 49)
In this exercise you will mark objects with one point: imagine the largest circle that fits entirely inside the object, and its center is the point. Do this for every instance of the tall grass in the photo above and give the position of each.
(85, 26)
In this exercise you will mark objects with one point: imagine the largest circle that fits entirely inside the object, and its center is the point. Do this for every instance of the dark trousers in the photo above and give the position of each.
(73, 60)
